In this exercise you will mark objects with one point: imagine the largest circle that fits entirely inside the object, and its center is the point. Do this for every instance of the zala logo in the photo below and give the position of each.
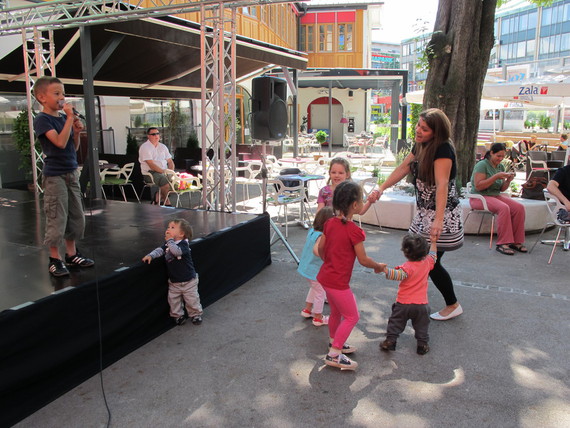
(533, 90)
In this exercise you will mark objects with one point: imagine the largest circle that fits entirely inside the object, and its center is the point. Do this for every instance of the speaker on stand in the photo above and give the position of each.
(269, 123)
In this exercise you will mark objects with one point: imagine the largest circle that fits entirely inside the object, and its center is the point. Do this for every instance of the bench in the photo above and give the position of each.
(397, 211)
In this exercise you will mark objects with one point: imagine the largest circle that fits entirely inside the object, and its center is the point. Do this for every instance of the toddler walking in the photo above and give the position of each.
(309, 265)
(182, 277)
(342, 241)
(411, 301)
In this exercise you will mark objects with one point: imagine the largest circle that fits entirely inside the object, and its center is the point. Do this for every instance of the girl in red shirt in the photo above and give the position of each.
(341, 243)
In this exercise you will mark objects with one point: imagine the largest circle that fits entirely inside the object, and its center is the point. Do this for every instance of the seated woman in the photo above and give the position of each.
(490, 179)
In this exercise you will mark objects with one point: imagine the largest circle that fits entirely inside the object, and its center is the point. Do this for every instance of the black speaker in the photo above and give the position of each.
(268, 108)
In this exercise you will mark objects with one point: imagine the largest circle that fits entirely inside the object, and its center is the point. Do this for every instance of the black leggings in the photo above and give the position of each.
(442, 281)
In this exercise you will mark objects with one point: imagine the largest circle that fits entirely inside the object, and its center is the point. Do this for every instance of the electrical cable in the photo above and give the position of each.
(100, 331)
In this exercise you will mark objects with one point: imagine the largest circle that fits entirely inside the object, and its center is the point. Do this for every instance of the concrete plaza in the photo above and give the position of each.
(255, 362)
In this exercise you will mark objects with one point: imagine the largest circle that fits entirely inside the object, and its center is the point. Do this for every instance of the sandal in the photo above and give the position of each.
(503, 249)
(519, 247)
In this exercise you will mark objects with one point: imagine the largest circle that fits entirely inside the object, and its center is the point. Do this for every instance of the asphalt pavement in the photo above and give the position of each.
(255, 362)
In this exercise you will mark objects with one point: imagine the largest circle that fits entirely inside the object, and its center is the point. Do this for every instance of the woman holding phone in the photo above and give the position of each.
(490, 179)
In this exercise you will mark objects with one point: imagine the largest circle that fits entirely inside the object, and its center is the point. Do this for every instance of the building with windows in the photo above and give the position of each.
(530, 41)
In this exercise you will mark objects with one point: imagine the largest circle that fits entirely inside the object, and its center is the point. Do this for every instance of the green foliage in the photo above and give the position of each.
(402, 154)
(138, 121)
(381, 179)
(132, 144)
(321, 136)
(192, 142)
(22, 141)
(544, 122)
(415, 110)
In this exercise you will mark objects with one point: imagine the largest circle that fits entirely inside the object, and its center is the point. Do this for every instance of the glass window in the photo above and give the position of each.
(565, 42)
(341, 37)
(303, 38)
(349, 37)
(544, 45)
(325, 38)
(514, 24)
(546, 16)
(503, 52)
(566, 13)
(530, 47)
(505, 26)
(523, 21)
(310, 38)
(521, 49)
(532, 19)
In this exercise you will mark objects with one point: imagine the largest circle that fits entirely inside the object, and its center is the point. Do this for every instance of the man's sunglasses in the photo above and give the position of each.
(154, 133)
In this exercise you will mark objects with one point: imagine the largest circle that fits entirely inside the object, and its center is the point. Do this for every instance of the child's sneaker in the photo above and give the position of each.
(78, 260)
(422, 349)
(346, 348)
(306, 314)
(388, 345)
(317, 322)
(180, 320)
(57, 268)
(341, 361)
(197, 320)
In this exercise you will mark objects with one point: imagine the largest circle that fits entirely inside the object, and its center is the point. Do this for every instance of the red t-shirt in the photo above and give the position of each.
(413, 289)
(340, 240)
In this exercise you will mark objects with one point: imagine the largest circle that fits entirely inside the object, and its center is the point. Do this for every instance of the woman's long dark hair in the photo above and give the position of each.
(495, 148)
(425, 153)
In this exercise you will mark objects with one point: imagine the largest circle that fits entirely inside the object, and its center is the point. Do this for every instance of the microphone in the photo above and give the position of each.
(79, 115)
(75, 112)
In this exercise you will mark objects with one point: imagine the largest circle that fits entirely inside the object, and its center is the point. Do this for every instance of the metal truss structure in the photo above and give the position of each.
(218, 68)
(39, 56)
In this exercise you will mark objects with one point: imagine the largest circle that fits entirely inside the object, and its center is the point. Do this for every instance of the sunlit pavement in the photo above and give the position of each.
(256, 362)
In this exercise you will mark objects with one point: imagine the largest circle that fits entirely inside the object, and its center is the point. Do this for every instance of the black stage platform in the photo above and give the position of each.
(49, 328)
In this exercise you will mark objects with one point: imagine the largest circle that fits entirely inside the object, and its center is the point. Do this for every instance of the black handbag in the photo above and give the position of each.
(533, 188)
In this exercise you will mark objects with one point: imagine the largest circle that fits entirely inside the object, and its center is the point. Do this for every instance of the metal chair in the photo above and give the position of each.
(484, 211)
(554, 205)
(119, 177)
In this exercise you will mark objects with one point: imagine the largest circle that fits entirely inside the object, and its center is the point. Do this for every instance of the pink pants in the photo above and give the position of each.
(510, 218)
(316, 296)
(344, 315)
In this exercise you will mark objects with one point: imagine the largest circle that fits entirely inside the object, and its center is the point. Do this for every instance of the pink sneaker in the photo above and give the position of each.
(305, 313)
(319, 322)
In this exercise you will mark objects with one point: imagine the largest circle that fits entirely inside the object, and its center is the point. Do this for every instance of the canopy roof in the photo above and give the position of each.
(547, 91)
(150, 58)
(343, 78)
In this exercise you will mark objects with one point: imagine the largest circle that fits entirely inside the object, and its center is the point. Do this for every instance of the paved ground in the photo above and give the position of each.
(255, 362)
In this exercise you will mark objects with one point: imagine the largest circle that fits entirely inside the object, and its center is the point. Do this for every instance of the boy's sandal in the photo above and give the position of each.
(519, 247)
(503, 249)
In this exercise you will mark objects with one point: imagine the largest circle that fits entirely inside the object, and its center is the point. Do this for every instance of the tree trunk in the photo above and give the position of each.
(458, 55)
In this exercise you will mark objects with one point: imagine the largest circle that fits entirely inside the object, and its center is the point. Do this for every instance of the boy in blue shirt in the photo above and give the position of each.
(58, 134)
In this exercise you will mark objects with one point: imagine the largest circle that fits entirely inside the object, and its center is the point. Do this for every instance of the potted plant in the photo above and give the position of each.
(321, 137)
(22, 141)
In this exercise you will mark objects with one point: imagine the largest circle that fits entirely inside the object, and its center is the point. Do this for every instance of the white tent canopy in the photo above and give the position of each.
(547, 92)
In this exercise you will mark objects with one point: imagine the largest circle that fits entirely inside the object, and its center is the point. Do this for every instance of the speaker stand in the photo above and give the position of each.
(275, 228)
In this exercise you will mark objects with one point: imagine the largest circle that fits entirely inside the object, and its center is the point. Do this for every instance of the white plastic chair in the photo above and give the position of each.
(149, 184)
(279, 195)
(554, 205)
(484, 211)
(182, 185)
(251, 176)
(119, 177)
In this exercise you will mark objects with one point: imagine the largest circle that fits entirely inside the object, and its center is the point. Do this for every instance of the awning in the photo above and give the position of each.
(150, 58)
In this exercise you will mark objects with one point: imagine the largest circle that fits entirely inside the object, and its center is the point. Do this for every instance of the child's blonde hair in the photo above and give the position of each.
(184, 227)
(321, 217)
(344, 163)
(41, 85)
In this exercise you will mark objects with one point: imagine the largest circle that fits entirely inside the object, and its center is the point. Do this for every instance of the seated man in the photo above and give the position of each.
(559, 186)
(155, 158)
